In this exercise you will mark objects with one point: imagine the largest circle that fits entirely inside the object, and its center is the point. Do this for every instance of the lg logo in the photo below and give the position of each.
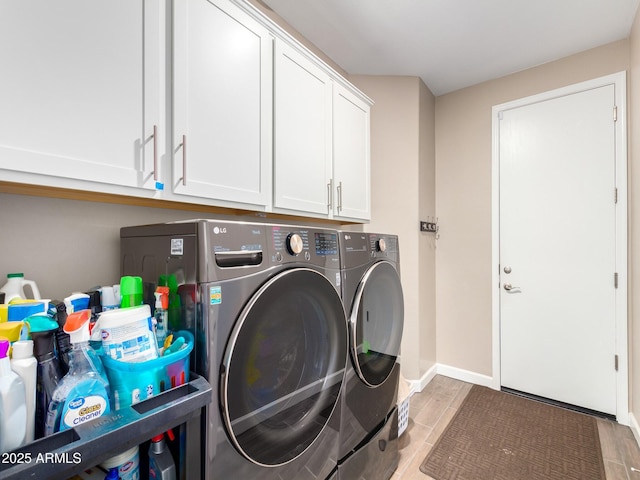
(218, 230)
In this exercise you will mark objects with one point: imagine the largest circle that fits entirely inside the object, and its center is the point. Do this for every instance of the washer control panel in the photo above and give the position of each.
(294, 243)
(314, 245)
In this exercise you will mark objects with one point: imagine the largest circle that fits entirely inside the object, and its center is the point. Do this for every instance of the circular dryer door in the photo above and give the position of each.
(377, 319)
(283, 367)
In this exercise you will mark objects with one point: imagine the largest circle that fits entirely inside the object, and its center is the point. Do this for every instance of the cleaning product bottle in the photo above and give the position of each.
(175, 307)
(14, 287)
(83, 393)
(58, 310)
(26, 366)
(13, 408)
(112, 474)
(108, 298)
(49, 371)
(76, 302)
(161, 464)
(126, 464)
(95, 305)
(131, 291)
(162, 314)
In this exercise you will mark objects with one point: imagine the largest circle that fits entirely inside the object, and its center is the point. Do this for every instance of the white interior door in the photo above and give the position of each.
(557, 207)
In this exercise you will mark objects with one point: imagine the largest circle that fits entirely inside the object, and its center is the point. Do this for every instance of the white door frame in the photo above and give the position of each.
(620, 88)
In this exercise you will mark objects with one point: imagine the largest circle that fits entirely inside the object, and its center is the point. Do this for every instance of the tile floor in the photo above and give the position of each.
(431, 410)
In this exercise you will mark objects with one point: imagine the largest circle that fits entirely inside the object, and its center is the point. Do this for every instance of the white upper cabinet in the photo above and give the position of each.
(199, 101)
(351, 155)
(81, 92)
(222, 104)
(302, 132)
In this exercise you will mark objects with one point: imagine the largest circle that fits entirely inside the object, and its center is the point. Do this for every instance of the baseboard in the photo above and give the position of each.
(635, 427)
(452, 372)
(467, 376)
(419, 384)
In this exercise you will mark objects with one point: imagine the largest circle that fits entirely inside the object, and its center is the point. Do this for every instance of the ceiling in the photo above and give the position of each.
(452, 44)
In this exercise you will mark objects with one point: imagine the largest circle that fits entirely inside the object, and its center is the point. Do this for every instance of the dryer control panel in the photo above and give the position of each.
(301, 244)
(383, 246)
(359, 248)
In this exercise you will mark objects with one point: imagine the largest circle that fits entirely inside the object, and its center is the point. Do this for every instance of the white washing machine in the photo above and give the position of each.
(271, 335)
(373, 299)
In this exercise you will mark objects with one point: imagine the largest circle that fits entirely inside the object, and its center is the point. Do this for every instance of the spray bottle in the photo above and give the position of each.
(13, 409)
(162, 314)
(58, 311)
(83, 393)
(49, 371)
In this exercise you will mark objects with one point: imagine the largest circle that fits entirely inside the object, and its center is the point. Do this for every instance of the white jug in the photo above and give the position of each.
(14, 288)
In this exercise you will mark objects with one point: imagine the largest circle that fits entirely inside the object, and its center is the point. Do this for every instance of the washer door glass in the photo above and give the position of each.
(283, 367)
(377, 319)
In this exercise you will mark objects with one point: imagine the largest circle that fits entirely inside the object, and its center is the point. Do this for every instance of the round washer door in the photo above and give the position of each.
(376, 322)
(283, 367)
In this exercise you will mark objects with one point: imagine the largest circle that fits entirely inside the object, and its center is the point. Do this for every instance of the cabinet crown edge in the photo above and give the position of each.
(279, 32)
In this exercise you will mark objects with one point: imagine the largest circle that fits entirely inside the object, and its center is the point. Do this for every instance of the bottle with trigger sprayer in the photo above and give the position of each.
(83, 393)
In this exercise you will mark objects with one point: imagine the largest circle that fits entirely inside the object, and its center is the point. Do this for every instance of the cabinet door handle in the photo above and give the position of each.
(184, 160)
(155, 153)
(330, 195)
(339, 196)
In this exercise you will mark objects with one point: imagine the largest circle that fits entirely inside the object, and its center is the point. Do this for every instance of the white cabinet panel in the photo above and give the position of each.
(302, 133)
(222, 103)
(351, 156)
(79, 90)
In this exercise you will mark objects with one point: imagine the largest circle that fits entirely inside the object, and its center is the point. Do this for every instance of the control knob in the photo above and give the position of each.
(294, 243)
(381, 245)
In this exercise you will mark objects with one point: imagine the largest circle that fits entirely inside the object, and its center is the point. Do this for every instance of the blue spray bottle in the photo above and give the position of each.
(83, 393)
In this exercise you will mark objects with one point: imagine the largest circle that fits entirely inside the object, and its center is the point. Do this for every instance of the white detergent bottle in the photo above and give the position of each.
(83, 393)
(14, 288)
(26, 366)
(13, 409)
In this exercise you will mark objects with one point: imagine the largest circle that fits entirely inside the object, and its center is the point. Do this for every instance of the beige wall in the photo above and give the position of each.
(67, 246)
(463, 198)
(634, 216)
(403, 192)
(427, 241)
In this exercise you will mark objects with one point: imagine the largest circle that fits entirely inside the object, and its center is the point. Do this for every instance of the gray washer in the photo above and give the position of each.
(373, 299)
(271, 338)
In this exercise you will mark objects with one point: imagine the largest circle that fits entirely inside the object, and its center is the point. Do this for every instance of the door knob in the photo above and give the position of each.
(508, 287)
(507, 269)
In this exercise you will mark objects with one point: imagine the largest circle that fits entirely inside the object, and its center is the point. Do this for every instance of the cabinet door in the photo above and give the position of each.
(351, 155)
(80, 92)
(302, 123)
(222, 103)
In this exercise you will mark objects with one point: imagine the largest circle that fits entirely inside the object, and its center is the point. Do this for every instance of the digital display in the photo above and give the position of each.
(326, 243)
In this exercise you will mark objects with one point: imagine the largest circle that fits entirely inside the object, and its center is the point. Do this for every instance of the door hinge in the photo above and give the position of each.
(615, 195)
(615, 280)
(615, 113)
(616, 362)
